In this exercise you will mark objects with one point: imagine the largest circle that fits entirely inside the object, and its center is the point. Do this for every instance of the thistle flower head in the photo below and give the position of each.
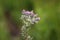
(30, 17)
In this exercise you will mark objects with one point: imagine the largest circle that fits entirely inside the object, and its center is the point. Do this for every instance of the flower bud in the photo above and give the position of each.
(23, 11)
(35, 15)
(37, 19)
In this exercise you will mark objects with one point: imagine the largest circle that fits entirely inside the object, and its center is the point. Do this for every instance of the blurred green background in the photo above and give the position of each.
(48, 27)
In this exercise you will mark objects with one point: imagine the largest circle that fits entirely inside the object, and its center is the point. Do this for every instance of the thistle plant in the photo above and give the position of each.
(28, 18)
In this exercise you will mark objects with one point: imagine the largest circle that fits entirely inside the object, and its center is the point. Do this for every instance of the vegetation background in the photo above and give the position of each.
(48, 27)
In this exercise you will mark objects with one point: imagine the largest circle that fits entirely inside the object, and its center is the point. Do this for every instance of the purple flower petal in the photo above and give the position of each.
(27, 13)
(37, 19)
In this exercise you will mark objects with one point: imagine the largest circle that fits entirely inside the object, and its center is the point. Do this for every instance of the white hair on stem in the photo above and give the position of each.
(28, 18)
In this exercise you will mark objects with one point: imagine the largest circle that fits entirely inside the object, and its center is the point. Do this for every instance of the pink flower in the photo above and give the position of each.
(37, 19)
(27, 12)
